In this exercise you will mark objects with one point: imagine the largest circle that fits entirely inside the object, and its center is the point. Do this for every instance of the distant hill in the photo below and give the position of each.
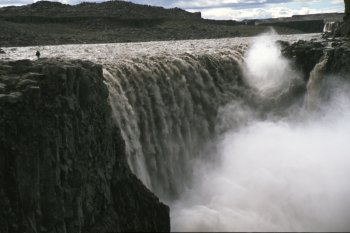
(326, 17)
(51, 23)
(118, 9)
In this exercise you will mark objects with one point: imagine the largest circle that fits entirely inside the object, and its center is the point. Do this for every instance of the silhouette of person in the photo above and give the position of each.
(37, 54)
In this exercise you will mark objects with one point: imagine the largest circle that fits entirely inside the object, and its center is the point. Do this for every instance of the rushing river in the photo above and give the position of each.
(206, 129)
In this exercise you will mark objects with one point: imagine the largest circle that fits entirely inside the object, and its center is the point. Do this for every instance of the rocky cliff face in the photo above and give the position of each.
(306, 54)
(347, 8)
(62, 158)
(325, 65)
(343, 29)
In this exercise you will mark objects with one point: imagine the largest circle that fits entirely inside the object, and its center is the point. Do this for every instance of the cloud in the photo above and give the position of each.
(257, 13)
(237, 4)
(14, 2)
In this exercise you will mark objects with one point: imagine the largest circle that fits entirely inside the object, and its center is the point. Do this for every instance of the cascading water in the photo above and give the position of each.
(329, 27)
(166, 109)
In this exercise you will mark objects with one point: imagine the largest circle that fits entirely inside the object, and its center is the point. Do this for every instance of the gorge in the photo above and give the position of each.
(239, 134)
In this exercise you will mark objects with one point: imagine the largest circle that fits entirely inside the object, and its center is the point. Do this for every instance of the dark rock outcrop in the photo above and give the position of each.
(343, 29)
(339, 59)
(347, 9)
(62, 158)
(339, 28)
(306, 54)
(324, 65)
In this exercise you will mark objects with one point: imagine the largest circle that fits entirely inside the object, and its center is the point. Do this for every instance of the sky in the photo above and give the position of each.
(230, 9)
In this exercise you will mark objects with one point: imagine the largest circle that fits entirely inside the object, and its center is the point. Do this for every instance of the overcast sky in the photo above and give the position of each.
(231, 9)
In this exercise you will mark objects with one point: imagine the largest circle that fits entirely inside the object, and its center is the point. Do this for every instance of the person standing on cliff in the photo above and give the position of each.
(37, 54)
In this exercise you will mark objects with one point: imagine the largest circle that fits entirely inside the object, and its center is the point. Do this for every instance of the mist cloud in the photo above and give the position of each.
(277, 174)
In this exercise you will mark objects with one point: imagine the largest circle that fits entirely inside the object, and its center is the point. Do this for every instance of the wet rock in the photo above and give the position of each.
(2, 88)
(347, 9)
(339, 60)
(306, 54)
(2, 51)
(33, 76)
(11, 98)
(19, 63)
(20, 66)
(345, 28)
(323, 65)
(25, 82)
(283, 44)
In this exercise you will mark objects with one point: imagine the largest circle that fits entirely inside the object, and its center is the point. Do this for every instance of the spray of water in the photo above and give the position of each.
(286, 174)
(266, 70)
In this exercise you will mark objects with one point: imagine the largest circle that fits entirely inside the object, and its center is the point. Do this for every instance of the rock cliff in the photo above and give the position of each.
(325, 66)
(306, 54)
(345, 26)
(347, 8)
(62, 158)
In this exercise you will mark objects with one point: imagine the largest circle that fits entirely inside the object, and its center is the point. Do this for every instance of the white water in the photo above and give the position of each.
(267, 71)
(280, 174)
(329, 27)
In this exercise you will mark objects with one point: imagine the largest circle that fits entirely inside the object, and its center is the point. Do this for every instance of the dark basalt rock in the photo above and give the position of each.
(62, 158)
(339, 59)
(306, 54)
(347, 9)
(343, 29)
(336, 51)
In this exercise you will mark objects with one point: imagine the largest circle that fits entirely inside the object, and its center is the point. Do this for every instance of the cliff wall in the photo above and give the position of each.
(62, 158)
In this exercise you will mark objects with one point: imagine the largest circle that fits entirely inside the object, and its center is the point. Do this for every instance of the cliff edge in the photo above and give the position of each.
(62, 158)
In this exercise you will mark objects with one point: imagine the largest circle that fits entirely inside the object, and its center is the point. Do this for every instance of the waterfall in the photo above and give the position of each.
(124, 116)
(313, 98)
(330, 27)
(229, 135)
(166, 108)
(225, 142)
